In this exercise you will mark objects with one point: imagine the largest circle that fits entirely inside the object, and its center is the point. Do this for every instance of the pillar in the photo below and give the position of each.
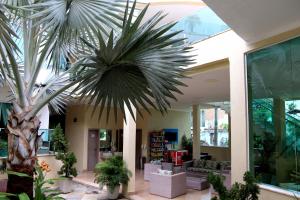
(229, 131)
(215, 140)
(196, 132)
(129, 146)
(280, 136)
(239, 117)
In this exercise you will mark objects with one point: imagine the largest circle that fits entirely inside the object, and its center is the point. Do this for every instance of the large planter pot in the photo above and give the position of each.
(65, 185)
(114, 194)
(3, 185)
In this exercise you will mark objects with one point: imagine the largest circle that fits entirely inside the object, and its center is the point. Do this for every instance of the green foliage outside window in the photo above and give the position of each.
(274, 118)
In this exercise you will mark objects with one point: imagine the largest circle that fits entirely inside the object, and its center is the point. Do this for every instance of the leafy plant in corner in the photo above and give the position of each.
(239, 191)
(67, 170)
(112, 172)
(41, 191)
(187, 144)
(58, 140)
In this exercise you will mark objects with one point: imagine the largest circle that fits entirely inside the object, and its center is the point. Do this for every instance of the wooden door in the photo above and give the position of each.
(93, 149)
(138, 149)
(119, 140)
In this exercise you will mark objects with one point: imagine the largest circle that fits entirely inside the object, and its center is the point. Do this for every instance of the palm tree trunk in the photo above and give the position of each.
(22, 149)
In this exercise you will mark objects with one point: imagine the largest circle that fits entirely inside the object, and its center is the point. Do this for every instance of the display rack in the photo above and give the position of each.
(157, 145)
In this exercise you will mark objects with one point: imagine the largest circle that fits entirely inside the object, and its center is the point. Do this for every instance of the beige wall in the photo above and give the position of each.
(173, 119)
(217, 153)
(270, 195)
(77, 132)
(229, 46)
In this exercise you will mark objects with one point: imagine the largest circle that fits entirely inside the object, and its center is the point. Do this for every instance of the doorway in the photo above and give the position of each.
(93, 148)
(138, 150)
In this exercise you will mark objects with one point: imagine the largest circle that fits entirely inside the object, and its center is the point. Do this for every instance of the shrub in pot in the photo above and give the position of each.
(68, 171)
(112, 173)
(60, 148)
(239, 191)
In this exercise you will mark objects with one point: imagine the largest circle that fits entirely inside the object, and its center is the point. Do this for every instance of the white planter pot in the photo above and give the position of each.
(114, 194)
(65, 185)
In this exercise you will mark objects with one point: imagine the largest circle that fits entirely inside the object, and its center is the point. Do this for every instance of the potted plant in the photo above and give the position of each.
(112, 173)
(68, 171)
(239, 191)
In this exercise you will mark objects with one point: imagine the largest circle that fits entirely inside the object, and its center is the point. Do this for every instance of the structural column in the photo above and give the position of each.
(238, 114)
(280, 136)
(129, 146)
(196, 132)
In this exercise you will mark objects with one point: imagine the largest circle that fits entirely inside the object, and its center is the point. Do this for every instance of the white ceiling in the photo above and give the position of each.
(255, 20)
(205, 87)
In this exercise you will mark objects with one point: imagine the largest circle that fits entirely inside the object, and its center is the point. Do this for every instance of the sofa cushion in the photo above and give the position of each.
(225, 165)
(199, 163)
(199, 170)
(211, 165)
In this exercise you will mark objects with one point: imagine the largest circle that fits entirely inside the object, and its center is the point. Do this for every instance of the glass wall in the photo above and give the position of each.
(274, 114)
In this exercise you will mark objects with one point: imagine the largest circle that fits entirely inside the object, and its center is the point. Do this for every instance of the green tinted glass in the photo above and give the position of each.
(274, 114)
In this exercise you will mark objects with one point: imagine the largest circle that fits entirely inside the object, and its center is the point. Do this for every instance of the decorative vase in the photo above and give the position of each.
(114, 194)
(65, 185)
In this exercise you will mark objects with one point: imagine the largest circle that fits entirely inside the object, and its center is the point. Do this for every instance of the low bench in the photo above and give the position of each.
(197, 183)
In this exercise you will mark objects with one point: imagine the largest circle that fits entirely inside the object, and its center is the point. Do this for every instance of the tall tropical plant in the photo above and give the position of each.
(114, 58)
(35, 35)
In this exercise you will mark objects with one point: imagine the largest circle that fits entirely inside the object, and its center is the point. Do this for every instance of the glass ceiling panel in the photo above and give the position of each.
(201, 25)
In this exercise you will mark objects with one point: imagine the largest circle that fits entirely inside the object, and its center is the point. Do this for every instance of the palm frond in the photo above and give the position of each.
(65, 21)
(49, 87)
(9, 68)
(142, 65)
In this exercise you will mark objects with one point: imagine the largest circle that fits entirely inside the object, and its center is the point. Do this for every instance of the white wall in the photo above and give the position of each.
(5, 94)
(77, 132)
(43, 115)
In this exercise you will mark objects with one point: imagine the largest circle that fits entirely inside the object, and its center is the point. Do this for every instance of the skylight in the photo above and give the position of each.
(201, 25)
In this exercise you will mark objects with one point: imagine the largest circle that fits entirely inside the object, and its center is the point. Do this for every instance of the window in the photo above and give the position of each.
(214, 127)
(105, 137)
(202, 118)
(45, 141)
(274, 114)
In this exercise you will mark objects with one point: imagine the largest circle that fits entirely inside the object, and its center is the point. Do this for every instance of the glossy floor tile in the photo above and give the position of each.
(142, 189)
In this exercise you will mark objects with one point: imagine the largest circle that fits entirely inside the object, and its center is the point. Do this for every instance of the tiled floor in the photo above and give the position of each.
(142, 189)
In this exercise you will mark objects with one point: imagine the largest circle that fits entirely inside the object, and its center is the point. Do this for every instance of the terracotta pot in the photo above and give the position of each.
(114, 194)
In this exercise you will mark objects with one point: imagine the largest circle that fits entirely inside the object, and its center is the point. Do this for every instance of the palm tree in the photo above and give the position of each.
(100, 52)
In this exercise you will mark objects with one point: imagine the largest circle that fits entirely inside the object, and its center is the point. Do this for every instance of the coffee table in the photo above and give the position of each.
(197, 183)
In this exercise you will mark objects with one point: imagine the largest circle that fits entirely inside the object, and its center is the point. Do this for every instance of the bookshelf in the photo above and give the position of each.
(157, 145)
